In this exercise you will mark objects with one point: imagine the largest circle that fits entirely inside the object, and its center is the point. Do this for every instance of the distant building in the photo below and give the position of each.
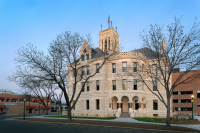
(56, 108)
(182, 103)
(11, 103)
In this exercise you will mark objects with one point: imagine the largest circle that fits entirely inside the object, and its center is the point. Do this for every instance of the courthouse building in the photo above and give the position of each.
(113, 92)
(11, 103)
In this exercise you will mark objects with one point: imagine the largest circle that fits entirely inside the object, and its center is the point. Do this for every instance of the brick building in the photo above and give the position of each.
(11, 103)
(182, 94)
(111, 91)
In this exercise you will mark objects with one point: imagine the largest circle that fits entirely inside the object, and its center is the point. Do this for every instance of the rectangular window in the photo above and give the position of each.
(155, 86)
(82, 86)
(97, 82)
(124, 66)
(88, 86)
(13, 101)
(88, 70)
(83, 57)
(88, 56)
(97, 68)
(186, 92)
(155, 69)
(97, 104)
(124, 84)
(198, 94)
(114, 68)
(114, 84)
(134, 67)
(83, 71)
(155, 104)
(135, 84)
(7, 100)
(87, 102)
(175, 93)
(1, 100)
(21, 101)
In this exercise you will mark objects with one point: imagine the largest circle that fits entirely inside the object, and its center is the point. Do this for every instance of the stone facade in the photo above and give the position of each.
(138, 103)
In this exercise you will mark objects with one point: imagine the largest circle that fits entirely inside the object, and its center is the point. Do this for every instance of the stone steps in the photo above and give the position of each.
(125, 115)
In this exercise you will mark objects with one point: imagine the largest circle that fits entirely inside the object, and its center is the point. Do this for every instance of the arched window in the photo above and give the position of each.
(85, 51)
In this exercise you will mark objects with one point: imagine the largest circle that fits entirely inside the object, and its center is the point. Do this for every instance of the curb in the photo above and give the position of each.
(104, 126)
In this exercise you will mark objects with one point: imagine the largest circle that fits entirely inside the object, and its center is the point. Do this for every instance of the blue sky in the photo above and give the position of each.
(39, 21)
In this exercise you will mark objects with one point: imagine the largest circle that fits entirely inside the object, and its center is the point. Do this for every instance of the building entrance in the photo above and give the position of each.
(124, 104)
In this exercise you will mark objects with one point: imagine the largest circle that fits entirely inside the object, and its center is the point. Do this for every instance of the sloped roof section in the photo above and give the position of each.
(97, 53)
(149, 54)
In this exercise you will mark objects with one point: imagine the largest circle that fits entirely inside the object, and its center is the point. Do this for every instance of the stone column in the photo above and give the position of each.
(130, 106)
(103, 45)
(107, 43)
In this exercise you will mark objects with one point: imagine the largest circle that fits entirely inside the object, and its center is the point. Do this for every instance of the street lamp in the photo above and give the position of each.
(24, 107)
(192, 105)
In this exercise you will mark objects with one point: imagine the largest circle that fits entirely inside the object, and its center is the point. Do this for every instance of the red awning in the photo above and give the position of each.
(13, 98)
(21, 99)
(31, 107)
(49, 100)
(28, 99)
(2, 106)
(2, 98)
(43, 107)
(36, 99)
(8, 98)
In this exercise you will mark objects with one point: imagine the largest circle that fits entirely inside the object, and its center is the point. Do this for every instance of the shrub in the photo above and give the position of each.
(184, 119)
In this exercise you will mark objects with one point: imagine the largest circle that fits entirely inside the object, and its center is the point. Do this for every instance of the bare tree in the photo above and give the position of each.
(63, 53)
(167, 52)
(57, 97)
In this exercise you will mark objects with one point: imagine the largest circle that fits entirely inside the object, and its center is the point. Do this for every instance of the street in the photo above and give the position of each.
(10, 126)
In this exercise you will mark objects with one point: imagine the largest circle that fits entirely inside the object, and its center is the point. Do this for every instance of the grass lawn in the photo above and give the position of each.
(146, 119)
(64, 116)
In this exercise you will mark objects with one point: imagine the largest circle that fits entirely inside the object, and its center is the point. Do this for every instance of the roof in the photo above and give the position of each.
(149, 54)
(97, 53)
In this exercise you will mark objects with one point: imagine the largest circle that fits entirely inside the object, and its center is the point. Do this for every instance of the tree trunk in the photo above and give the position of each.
(69, 114)
(168, 113)
(60, 109)
(47, 108)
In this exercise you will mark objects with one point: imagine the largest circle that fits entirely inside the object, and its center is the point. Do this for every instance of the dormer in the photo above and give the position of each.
(85, 51)
(109, 40)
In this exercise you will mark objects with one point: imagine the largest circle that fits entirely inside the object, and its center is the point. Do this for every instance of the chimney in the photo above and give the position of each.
(163, 47)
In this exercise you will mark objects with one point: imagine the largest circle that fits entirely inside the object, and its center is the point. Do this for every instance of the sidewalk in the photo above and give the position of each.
(130, 120)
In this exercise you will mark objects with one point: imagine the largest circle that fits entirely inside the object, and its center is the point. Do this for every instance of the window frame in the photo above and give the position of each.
(124, 69)
(83, 71)
(124, 84)
(88, 56)
(88, 70)
(97, 85)
(114, 84)
(134, 66)
(155, 104)
(83, 88)
(88, 86)
(97, 104)
(113, 67)
(155, 86)
(87, 104)
(97, 67)
(83, 58)
(135, 84)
